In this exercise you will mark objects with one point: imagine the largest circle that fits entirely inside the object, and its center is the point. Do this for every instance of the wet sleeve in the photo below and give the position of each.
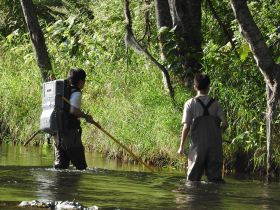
(187, 116)
(75, 99)
(220, 113)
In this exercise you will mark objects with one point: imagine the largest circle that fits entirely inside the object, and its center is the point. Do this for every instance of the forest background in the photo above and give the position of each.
(124, 90)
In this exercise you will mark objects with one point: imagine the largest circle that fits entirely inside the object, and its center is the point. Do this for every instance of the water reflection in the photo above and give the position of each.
(27, 174)
(57, 184)
(44, 156)
(198, 195)
(25, 156)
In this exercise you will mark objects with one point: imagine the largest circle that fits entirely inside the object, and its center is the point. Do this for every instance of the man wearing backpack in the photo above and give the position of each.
(69, 145)
(204, 118)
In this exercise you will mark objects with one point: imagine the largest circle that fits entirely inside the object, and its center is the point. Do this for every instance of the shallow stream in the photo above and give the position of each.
(27, 174)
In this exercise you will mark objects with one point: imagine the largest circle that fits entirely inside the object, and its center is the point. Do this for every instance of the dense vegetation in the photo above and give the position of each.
(124, 90)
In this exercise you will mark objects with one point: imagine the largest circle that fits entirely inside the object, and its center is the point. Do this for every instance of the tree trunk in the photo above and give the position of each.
(186, 17)
(265, 62)
(147, 33)
(163, 13)
(269, 112)
(163, 20)
(37, 38)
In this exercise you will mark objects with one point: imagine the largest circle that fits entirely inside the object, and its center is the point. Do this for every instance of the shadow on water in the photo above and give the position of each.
(199, 195)
(27, 174)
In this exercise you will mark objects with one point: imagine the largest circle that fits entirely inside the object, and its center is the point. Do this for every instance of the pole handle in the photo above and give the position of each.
(32, 137)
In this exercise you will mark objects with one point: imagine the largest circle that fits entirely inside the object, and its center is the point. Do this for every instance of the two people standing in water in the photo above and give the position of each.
(203, 118)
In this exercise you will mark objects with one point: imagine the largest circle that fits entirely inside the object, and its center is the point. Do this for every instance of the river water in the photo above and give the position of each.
(27, 174)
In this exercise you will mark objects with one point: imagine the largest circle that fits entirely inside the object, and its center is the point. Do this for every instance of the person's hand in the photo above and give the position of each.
(224, 126)
(52, 77)
(181, 151)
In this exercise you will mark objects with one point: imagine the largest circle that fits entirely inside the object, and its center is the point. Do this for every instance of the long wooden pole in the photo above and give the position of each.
(118, 142)
(31, 137)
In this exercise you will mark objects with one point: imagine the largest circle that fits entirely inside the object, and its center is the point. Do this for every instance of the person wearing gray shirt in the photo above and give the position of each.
(203, 119)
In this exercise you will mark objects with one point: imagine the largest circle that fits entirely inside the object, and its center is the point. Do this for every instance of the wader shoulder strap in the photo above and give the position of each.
(72, 121)
(205, 112)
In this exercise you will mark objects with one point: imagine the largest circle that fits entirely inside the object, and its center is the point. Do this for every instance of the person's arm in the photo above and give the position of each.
(75, 104)
(224, 125)
(80, 114)
(186, 121)
(185, 132)
(221, 115)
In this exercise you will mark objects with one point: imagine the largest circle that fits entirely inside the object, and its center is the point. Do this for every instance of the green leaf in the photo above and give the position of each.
(244, 51)
(10, 37)
(71, 21)
(163, 30)
(278, 60)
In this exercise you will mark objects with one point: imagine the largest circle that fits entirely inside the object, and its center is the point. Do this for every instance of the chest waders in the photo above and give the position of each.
(70, 123)
(206, 154)
(69, 147)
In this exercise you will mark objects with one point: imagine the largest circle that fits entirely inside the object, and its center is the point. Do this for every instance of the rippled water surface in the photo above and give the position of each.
(27, 174)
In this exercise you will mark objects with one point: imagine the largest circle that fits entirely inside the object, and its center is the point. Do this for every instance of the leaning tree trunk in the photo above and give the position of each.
(186, 17)
(37, 38)
(163, 20)
(266, 64)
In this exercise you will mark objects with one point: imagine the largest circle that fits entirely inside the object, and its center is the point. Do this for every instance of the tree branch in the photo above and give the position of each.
(223, 26)
(131, 40)
(147, 33)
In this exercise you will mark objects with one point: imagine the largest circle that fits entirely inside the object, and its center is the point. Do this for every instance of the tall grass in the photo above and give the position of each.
(20, 95)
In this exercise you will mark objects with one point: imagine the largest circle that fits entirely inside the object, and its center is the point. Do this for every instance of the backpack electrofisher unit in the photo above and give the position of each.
(53, 105)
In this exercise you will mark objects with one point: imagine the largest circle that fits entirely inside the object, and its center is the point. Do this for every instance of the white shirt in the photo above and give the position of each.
(193, 109)
(75, 99)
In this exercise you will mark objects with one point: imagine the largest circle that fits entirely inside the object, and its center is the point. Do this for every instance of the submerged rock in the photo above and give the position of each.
(69, 205)
(39, 204)
(59, 205)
